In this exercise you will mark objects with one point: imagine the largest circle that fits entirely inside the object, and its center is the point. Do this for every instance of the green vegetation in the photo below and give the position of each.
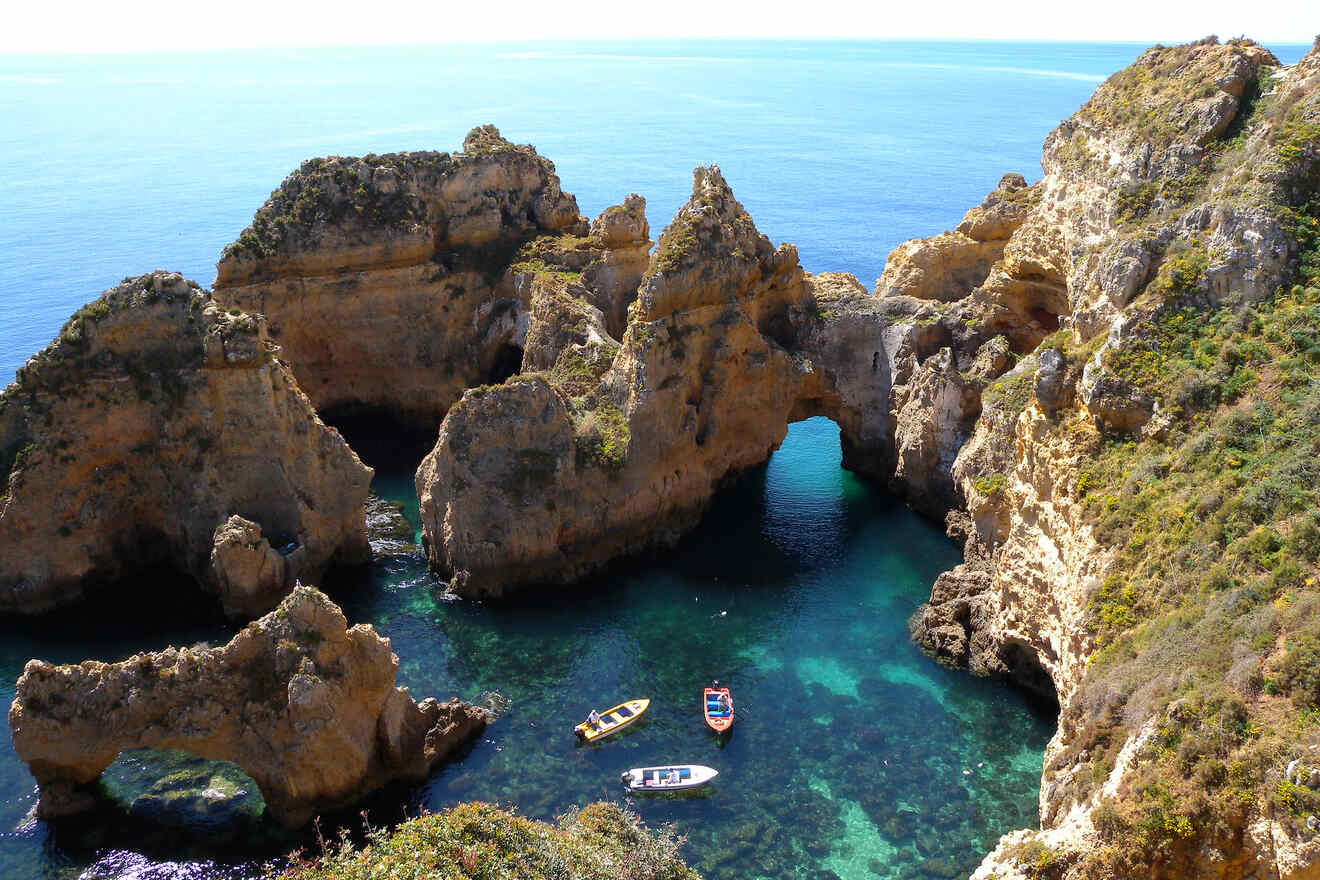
(477, 841)
(602, 433)
(578, 370)
(990, 485)
(541, 268)
(1011, 392)
(1137, 202)
(1154, 97)
(73, 333)
(601, 430)
(677, 242)
(1208, 625)
(1038, 858)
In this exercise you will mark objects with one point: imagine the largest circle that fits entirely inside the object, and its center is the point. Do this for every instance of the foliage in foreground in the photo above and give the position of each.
(478, 841)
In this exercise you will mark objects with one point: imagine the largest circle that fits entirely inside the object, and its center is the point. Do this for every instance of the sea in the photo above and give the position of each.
(853, 756)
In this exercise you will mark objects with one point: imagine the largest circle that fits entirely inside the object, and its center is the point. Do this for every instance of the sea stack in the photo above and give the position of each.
(160, 428)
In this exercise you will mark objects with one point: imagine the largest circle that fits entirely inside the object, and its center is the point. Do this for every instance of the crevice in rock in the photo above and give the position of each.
(507, 362)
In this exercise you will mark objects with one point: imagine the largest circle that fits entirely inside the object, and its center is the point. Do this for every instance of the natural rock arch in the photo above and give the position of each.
(302, 703)
(610, 451)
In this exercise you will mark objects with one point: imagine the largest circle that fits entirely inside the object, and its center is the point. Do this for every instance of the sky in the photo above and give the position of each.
(144, 25)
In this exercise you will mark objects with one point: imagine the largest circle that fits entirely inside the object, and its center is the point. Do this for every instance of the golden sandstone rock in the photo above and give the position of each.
(978, 381)
(547, 477)
(152, 419)
(300, 701)
(383, 277)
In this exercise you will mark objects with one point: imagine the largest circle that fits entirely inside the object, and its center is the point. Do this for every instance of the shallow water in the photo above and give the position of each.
(851, 752)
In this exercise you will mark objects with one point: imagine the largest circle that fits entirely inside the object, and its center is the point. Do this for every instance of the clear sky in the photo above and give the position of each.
(135, 25)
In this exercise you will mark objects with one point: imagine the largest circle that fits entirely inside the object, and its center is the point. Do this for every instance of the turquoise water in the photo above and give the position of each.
(849, 749)
(852, 753)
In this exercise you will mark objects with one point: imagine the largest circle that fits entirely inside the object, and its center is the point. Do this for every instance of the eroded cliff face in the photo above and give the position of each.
(160, 428)
(300, 701)
(1178, 191)
(386, 280)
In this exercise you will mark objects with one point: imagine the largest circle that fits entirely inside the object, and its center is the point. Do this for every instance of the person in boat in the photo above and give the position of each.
(671, 777)
(593, 719)
(722, 703)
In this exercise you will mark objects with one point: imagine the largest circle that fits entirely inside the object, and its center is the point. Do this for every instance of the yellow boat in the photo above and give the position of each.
(612, 720)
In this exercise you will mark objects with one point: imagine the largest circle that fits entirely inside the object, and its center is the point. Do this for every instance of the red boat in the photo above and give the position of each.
(719, 709)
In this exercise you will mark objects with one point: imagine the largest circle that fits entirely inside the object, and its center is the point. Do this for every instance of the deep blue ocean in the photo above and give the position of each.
(853, 755)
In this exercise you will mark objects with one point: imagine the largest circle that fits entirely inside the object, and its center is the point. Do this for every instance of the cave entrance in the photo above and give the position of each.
(1048, 320)
(506, 363)
(381, 439)
(393, 448)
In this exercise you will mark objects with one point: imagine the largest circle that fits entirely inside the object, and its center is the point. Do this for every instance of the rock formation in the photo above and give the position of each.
(993, 376)
(386, 279)
(161, 428)
(1179, 190)
(619, 446)
(614, 447)
(1136, 318)
(300, 701)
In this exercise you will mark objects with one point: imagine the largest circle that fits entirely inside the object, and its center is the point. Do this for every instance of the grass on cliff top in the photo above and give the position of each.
(477, 841)
(600, 430)
(338, 190)
(1150, 97)
(1208, 625)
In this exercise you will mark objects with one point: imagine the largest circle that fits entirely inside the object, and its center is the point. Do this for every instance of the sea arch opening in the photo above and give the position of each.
(192, 796)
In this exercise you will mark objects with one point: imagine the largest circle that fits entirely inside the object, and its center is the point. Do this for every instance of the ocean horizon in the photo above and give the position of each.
(122, 163)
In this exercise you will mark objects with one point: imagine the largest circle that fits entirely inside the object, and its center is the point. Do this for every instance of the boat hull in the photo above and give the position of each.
(663, 778)
(718, 721)
(612, 720)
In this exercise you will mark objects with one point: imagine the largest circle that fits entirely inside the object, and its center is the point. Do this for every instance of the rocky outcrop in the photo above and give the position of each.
(951, 265)
(600, 449)
(613, 449)
(304, 704)
(533, 482)
(387, 279)
(160, 428)
(1161, 198)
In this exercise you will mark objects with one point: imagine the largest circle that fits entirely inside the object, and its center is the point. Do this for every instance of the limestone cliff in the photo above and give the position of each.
(386, 279)
(1107, 536)
(300, 701)
(160, 428)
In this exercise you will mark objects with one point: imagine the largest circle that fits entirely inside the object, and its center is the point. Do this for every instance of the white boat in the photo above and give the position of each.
(671, 778)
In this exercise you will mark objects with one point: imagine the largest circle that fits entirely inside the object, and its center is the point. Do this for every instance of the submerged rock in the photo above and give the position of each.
(302, 703)
(388, 529)
(161, 428)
